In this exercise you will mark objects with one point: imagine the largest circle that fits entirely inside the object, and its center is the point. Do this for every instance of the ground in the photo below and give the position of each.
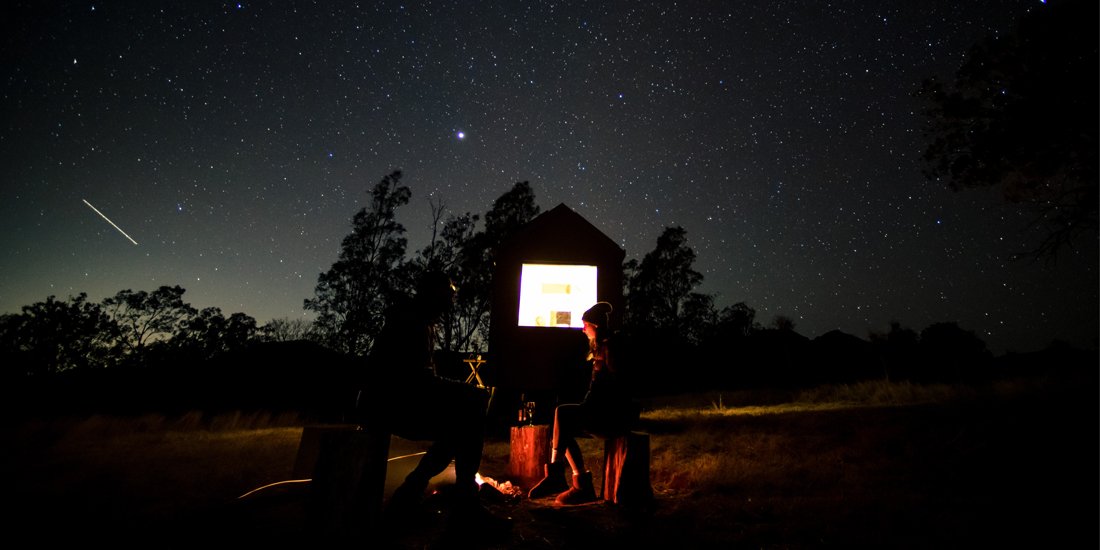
(280, 514)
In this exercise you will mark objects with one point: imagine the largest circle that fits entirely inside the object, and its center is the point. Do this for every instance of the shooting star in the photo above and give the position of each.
(109, 221)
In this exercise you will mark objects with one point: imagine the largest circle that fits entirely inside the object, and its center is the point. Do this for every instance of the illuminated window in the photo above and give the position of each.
(555, 295)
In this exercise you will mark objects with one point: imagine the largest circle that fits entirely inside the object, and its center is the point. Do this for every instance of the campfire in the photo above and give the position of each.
(490, 486)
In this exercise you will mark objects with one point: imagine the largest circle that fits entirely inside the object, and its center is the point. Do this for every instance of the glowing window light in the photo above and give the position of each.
(555, 295)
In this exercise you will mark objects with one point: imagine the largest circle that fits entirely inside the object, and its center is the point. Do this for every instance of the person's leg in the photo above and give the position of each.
(553, 482)
(423, 416)
(467, 428)
(434, 462)
(567, 425)
(452, 416)
(577, 420)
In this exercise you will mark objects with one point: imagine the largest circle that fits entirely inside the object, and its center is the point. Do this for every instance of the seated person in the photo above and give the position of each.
(415, 403)
(607, 409)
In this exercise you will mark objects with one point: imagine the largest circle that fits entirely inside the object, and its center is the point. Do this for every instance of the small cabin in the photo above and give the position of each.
(545, 277)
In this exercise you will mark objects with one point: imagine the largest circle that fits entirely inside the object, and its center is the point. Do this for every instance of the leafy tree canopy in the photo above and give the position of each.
(660, 287)
(144, 317)
(351, 297)
(58, 335)
(469, 256)
(1021, 115)
(210, 333)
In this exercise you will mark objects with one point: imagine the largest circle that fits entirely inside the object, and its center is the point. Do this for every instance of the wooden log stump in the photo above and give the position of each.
(309, 447)
(349, 481)
(530, 451)
(626, 470)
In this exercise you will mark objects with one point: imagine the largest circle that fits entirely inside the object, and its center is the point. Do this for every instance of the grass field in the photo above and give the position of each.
(873, 465)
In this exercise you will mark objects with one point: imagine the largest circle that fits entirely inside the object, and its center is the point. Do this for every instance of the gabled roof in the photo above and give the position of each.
(560, 234)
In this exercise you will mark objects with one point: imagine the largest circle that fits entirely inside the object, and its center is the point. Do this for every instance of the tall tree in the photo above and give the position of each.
(351, 297)
(510, 212)
(449, 252)
(664, 317)
(477, 254)
(662, 284)
(439, 253)
(1021, 115)
(145, 317)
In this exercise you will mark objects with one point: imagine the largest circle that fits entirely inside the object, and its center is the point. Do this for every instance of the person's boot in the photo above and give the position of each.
(553, 482)
(581, 492)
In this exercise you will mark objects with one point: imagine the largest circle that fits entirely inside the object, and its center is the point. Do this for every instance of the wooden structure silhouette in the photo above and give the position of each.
(544, 358)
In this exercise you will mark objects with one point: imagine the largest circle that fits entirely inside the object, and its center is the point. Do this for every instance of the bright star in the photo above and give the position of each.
(461, 135)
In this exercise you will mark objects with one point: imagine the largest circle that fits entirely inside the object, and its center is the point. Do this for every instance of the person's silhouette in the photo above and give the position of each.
(417, 404)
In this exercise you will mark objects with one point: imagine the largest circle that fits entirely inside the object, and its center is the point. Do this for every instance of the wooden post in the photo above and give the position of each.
(530, 451)
(626, 469)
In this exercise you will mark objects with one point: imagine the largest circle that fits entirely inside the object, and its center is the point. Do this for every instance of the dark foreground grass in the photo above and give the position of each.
(1010, 466)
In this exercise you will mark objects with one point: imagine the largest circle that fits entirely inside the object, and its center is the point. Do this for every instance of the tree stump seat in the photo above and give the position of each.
(348, 481)
(530, 450)
(626, 469)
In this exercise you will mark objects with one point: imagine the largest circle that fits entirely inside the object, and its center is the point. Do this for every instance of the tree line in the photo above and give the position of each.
(670, 325)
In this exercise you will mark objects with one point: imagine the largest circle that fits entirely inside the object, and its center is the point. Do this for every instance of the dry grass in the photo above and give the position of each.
(875, 464)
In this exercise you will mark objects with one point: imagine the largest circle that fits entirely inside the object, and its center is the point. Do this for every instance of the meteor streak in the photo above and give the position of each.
(109, 221)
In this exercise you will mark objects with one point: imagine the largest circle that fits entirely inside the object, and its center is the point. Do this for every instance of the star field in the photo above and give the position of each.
(234, 141)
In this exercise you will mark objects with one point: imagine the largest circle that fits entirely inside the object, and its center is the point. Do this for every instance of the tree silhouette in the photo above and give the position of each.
(477, 255)
(210, 333)
(950, 353)
(724, 345)
(1021, 115)
(467, 255)
(666, 322)
(698, 317)
(783, 323)
(661, 285)
(448, 251)
(510, 212)
(443, 248)
(737, 321)
(664, 317)
(56, 336)
(145, 317)
(351, 297)
(286, 329)
(897, 351)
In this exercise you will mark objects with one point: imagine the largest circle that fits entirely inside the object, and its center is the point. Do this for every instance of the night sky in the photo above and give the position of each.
(233, 142)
